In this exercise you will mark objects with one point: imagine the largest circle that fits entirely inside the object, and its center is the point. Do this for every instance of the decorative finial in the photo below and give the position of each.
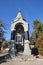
(19, 10)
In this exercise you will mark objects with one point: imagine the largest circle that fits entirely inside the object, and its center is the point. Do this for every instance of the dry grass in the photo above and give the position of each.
(40, 56)
(3, 52)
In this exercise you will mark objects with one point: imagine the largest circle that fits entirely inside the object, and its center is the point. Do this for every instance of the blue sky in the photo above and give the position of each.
(31, 10)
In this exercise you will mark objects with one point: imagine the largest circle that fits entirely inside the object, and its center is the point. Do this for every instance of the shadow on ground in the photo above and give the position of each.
(4, 58)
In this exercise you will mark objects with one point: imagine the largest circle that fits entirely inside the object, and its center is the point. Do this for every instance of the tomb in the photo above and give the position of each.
(20, 34)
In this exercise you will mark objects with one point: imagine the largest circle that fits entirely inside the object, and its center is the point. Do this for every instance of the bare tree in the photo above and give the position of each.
(2, 32)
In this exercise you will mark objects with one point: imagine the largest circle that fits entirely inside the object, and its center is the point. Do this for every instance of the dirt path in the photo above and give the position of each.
(29, 62)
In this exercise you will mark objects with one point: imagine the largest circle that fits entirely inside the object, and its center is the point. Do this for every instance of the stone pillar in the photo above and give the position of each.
(26, 34)
(27, 50)
(13, 35)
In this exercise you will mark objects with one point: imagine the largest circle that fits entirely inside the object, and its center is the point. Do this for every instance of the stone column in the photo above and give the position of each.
(13, 35)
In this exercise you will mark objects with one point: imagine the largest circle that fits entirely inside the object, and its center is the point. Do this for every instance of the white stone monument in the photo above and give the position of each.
(20, 33)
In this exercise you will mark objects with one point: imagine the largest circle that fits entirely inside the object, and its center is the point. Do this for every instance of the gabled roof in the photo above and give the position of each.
(19, 19)
(19, 16)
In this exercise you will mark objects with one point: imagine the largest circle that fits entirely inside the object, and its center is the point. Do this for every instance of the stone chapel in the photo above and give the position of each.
(20, 34)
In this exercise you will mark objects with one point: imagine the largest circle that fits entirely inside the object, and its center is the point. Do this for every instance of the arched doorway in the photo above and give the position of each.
(19, 37)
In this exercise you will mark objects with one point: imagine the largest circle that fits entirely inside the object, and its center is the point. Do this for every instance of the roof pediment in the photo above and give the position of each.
(19, 19)
(19, 16)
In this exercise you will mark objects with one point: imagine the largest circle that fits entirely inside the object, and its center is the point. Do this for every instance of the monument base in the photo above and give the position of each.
(27, 50)
(12, 48)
